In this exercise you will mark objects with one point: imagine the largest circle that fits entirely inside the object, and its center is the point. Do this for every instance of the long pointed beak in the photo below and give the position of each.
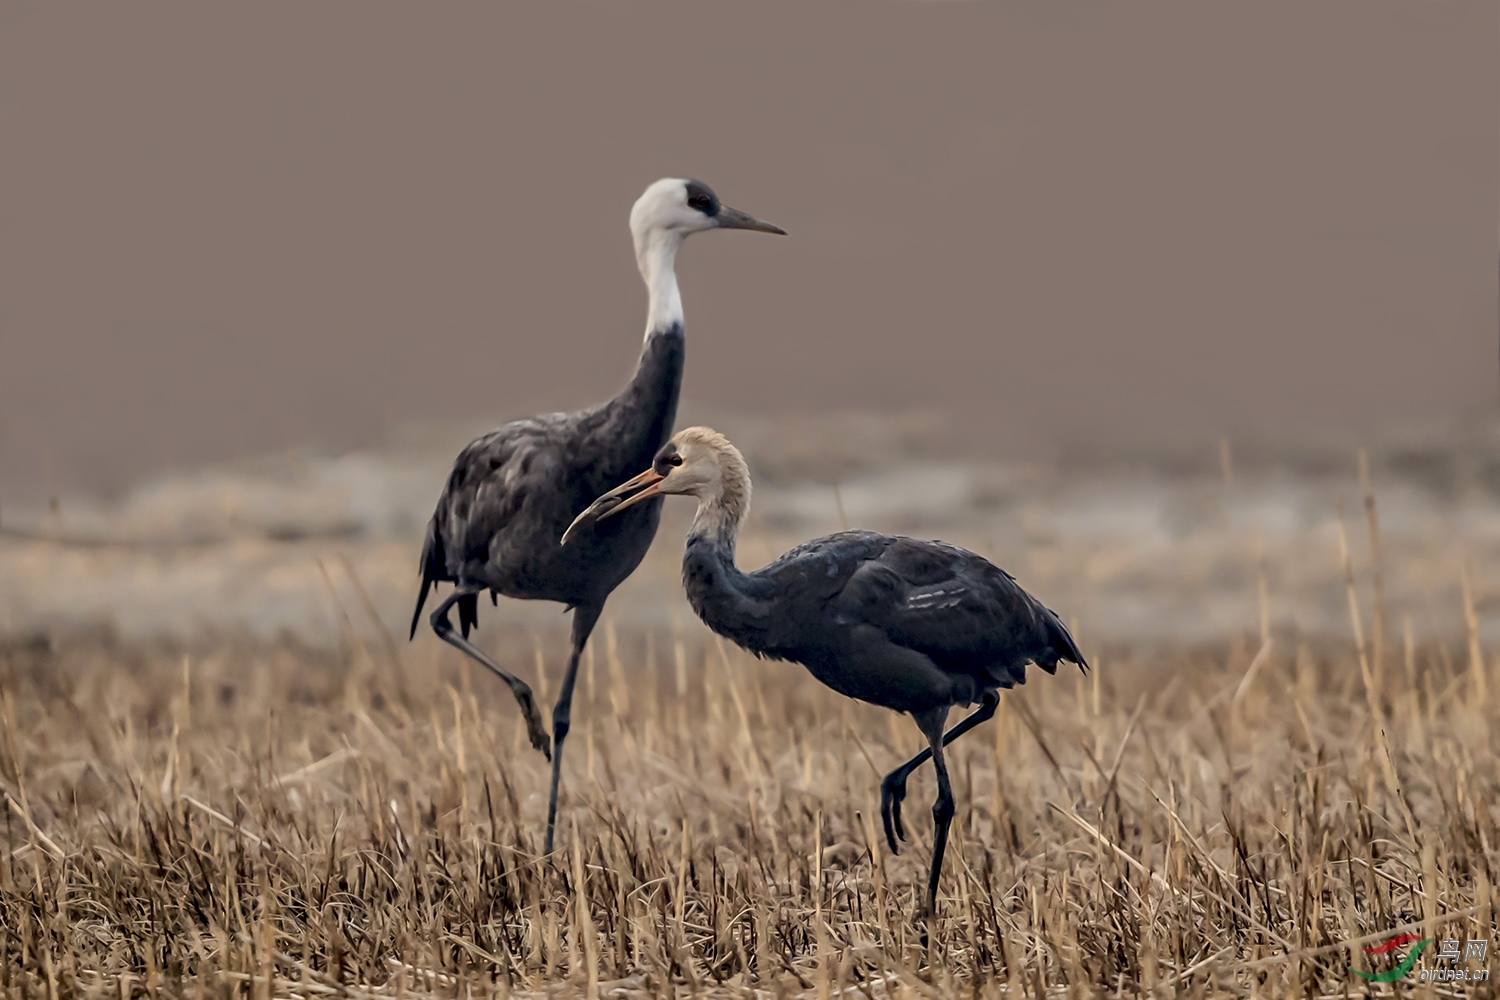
(733, 218)
(611, 503)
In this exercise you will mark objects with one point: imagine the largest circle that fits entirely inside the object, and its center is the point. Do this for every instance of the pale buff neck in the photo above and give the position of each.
(721, 515)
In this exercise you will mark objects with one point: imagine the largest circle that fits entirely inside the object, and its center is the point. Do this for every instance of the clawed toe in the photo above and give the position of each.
(891, 795)
(541, 740)
(534, 727)
(890, 839)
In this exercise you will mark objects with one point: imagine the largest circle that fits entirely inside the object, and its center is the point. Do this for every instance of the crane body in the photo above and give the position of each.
(512, 492)
(914, 626)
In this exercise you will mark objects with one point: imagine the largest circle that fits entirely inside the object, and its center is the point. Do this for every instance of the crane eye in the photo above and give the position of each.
(701, 199)
(675, 460)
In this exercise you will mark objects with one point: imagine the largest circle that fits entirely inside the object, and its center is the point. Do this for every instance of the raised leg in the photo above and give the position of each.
(893, 786)
(942, 806)
(584, 618)
(444, 628)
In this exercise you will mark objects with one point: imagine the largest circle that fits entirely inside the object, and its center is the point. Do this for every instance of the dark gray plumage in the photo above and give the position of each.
(910, 625)
(513, 492)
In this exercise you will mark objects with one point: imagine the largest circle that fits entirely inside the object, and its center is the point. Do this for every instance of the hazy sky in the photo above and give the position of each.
(232, 228)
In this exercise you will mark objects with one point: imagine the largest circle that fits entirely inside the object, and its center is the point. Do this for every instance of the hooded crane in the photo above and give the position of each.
(513, 491)
(913, 626)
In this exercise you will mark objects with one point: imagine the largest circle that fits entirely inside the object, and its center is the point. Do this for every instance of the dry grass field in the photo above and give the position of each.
(1283, 756)
(262, 820)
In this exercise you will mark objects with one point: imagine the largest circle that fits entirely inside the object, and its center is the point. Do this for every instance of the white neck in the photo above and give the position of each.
(656, 256)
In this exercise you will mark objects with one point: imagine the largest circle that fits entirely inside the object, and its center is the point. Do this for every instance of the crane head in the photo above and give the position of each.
(682, 207)
(698, 461)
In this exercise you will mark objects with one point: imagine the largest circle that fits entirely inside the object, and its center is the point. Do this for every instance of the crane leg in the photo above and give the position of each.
(893, 786)
(445, 631)
(585, 616)
(942, 806)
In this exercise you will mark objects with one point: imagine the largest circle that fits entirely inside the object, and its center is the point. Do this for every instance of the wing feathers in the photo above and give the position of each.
(957, 608)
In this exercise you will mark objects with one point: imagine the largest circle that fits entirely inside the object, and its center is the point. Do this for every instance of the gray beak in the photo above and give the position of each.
(733, 218)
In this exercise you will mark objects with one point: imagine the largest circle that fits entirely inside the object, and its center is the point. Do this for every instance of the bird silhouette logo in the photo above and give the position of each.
(1385, 948)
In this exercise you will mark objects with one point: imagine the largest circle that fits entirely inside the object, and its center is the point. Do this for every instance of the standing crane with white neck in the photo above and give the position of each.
(910, 625)
(513, 491)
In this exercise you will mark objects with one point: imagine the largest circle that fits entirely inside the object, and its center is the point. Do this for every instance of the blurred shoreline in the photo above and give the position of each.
(1131, 545)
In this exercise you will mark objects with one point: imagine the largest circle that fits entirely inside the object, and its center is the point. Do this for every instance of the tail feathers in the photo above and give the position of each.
(432, 566)
(1063, 644)
(435, 569)
(1059, 647)
(468, 613)
(416, 616)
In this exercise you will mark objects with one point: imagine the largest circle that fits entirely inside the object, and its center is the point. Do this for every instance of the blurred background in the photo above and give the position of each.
(1113, 295)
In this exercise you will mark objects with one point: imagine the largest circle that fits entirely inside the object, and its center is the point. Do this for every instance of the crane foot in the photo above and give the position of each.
(891, 795)
(534, 727)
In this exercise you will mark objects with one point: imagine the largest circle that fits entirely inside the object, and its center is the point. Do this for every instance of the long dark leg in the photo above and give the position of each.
(584, 618)
(893, 787)
(444, 628)
(942, 806)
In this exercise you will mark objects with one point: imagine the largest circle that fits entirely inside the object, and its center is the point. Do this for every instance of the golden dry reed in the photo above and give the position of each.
(258, 820)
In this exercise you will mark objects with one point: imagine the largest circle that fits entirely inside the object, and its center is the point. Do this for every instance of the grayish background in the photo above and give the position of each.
(231, 230)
